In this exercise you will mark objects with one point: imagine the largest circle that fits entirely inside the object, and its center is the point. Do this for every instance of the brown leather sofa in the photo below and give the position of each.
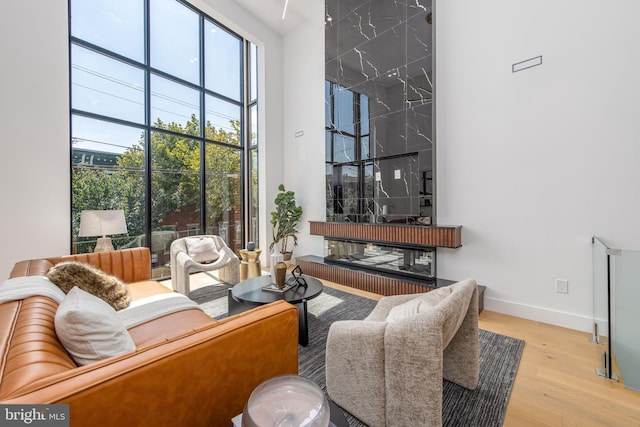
(188, 369)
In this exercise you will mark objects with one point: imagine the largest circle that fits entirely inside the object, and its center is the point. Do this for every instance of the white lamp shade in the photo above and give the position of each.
(102, 223)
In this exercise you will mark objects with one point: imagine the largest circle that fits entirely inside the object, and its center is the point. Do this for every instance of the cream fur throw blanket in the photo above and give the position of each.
(138, 312)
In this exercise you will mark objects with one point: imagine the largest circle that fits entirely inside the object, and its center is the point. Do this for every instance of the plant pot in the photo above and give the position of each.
(287, 256)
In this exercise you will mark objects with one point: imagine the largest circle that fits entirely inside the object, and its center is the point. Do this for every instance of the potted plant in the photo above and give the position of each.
(284, 221)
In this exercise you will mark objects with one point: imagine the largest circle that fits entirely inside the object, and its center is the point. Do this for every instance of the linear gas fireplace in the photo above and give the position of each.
(398, 260)
(386, 259)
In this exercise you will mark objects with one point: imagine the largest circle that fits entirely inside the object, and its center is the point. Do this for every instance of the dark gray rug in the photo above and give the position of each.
(483, 407)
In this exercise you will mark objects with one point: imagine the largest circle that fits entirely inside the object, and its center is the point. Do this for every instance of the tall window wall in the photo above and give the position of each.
(163, 124)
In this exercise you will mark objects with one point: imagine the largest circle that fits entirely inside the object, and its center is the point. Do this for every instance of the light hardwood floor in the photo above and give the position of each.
(556, 384)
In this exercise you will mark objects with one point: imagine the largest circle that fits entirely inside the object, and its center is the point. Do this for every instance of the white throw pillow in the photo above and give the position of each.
(202, 249)
(418, 304)
(90, 329)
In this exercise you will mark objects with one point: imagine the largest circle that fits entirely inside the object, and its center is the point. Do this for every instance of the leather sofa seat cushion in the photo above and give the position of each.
(172, 325)
(89, 328)
(146, 288)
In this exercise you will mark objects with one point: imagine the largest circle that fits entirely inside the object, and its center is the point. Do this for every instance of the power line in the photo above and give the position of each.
(77, 139)
(138, 88)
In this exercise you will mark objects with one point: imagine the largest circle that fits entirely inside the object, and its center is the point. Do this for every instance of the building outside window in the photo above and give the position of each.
(349, 166)
(163, 124)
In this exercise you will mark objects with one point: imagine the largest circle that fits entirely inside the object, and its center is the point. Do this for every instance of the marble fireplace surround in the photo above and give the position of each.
(381, 51)
(380, 158)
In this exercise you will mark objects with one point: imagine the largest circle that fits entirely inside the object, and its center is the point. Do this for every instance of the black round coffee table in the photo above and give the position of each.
(249, 293)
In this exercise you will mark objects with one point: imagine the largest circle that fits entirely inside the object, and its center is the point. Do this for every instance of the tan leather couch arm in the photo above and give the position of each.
(203, 378)
(130, 265)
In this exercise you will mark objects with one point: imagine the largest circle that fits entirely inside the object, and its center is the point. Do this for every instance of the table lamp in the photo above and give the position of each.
(102, 223)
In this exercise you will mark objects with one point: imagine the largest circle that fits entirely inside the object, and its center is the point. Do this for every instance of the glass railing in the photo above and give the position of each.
(601, 286)
(626, 317)
(616, 279)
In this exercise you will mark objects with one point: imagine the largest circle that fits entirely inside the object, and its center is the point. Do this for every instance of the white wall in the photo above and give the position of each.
(270, 107)
(304, 170)
(34, 115)
(532, 164)
(34, 118)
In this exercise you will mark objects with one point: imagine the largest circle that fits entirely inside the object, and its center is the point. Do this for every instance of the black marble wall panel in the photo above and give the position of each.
(383, 50)
(419, 128)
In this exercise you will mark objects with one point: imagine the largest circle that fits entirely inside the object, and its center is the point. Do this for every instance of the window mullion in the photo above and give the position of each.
(134, 141)
(246, 144)
(203, 130)
(147, 113)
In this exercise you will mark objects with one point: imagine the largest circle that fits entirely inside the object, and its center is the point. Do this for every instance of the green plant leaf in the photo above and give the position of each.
(285, 219)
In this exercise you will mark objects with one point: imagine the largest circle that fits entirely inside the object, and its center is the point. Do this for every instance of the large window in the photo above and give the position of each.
(163, 124)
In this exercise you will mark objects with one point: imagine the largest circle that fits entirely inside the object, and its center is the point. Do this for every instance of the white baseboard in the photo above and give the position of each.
(540, 314)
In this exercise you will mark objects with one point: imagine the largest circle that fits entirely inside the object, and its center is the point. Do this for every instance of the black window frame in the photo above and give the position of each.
(245, 147)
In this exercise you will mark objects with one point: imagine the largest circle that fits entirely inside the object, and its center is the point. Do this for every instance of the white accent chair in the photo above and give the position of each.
(387, 369)
(183, 263)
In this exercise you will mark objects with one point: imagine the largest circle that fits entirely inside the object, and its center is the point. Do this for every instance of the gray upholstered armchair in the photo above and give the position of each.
(387, 369)
(202, 253)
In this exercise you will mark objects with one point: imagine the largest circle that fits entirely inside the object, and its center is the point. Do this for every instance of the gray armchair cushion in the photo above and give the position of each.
(419, 304)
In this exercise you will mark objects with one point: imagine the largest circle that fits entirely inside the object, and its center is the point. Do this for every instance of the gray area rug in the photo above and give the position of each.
(483, 407)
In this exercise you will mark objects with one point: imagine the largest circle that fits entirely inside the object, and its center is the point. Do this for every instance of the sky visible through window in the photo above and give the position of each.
(110, 87)
(161, 126)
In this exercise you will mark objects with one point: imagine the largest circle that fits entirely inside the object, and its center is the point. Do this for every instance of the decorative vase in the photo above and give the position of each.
(251, 246)
(281, 274)
(276, 257)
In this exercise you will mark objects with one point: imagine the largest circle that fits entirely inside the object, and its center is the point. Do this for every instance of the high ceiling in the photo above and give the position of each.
(270, 12)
